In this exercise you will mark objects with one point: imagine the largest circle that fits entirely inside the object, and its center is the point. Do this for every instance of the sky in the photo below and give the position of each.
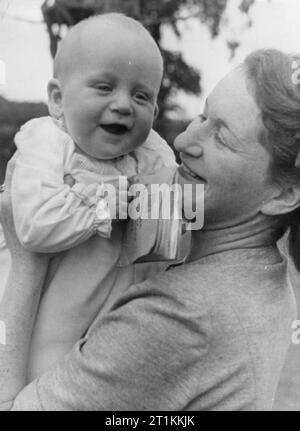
(26, 64)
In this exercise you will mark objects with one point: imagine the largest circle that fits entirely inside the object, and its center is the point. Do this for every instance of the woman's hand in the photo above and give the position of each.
(6, 215)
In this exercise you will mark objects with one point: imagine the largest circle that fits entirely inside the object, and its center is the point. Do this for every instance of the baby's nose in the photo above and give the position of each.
(122, 104)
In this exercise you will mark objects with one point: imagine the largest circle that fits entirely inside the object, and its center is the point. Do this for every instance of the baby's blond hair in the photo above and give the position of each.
(69, 46)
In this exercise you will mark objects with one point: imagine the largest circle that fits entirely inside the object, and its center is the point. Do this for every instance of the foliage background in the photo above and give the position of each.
(59, 15)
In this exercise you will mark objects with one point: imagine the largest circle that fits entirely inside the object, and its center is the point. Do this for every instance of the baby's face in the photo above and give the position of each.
(109, 99)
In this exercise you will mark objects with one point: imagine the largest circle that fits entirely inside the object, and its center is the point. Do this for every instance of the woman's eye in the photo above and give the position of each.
(219, 139)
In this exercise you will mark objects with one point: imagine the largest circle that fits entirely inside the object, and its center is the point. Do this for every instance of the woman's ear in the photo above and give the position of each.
(55, 99)
(283, 201)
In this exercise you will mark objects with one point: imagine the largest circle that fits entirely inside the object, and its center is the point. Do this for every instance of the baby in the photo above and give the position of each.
(102, 102)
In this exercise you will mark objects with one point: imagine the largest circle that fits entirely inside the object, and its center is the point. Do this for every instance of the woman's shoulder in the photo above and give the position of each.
(242, 266)
(242, 280)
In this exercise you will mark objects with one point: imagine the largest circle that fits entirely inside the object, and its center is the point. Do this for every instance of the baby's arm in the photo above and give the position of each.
(49, 215)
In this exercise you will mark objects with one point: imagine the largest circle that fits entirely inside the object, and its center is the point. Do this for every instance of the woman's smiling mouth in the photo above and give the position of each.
(186, 172)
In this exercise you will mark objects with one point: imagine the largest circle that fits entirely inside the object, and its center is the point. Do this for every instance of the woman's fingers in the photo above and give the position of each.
(6, 214)
(10, 170)
(5, 209)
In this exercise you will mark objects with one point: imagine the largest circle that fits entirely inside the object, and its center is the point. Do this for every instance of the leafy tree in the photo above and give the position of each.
(179, 75)
(59, 15)
(12, 116)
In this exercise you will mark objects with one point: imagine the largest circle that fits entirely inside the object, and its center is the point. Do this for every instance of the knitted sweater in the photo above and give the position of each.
(208, 335)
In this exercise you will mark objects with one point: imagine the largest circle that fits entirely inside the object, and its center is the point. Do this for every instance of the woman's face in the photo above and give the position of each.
(220, 148)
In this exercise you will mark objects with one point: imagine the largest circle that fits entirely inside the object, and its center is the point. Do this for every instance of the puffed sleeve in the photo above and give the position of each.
(49, 215)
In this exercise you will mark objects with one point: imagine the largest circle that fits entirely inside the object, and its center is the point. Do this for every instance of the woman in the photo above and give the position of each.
(211, 334)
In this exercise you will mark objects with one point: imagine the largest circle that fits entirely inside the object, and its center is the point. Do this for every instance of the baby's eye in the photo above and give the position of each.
(103, 87)
(141, 96)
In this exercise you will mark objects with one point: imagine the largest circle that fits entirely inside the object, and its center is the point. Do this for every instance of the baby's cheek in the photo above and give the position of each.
(140, 137)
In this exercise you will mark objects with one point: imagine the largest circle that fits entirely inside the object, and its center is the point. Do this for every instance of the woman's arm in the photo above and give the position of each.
(139, 356)
(135, 358)
(18, 306)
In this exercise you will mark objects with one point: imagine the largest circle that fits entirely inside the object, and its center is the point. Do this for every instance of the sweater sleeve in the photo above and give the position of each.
(141, 356)
(49, 215)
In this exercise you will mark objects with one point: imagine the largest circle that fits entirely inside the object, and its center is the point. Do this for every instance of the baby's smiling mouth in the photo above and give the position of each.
(115, 128)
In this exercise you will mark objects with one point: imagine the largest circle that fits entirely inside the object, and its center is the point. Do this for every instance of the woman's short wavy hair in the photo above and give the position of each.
(274, 79)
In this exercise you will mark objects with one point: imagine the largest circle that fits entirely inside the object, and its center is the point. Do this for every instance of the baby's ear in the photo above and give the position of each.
(54, 99)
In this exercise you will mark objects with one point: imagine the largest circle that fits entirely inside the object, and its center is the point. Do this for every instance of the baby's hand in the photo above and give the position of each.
(113, 195)
(115, 192)
(69, 180)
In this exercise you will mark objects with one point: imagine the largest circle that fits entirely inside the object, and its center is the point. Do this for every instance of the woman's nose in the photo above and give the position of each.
(122, 104)
(187, 144)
